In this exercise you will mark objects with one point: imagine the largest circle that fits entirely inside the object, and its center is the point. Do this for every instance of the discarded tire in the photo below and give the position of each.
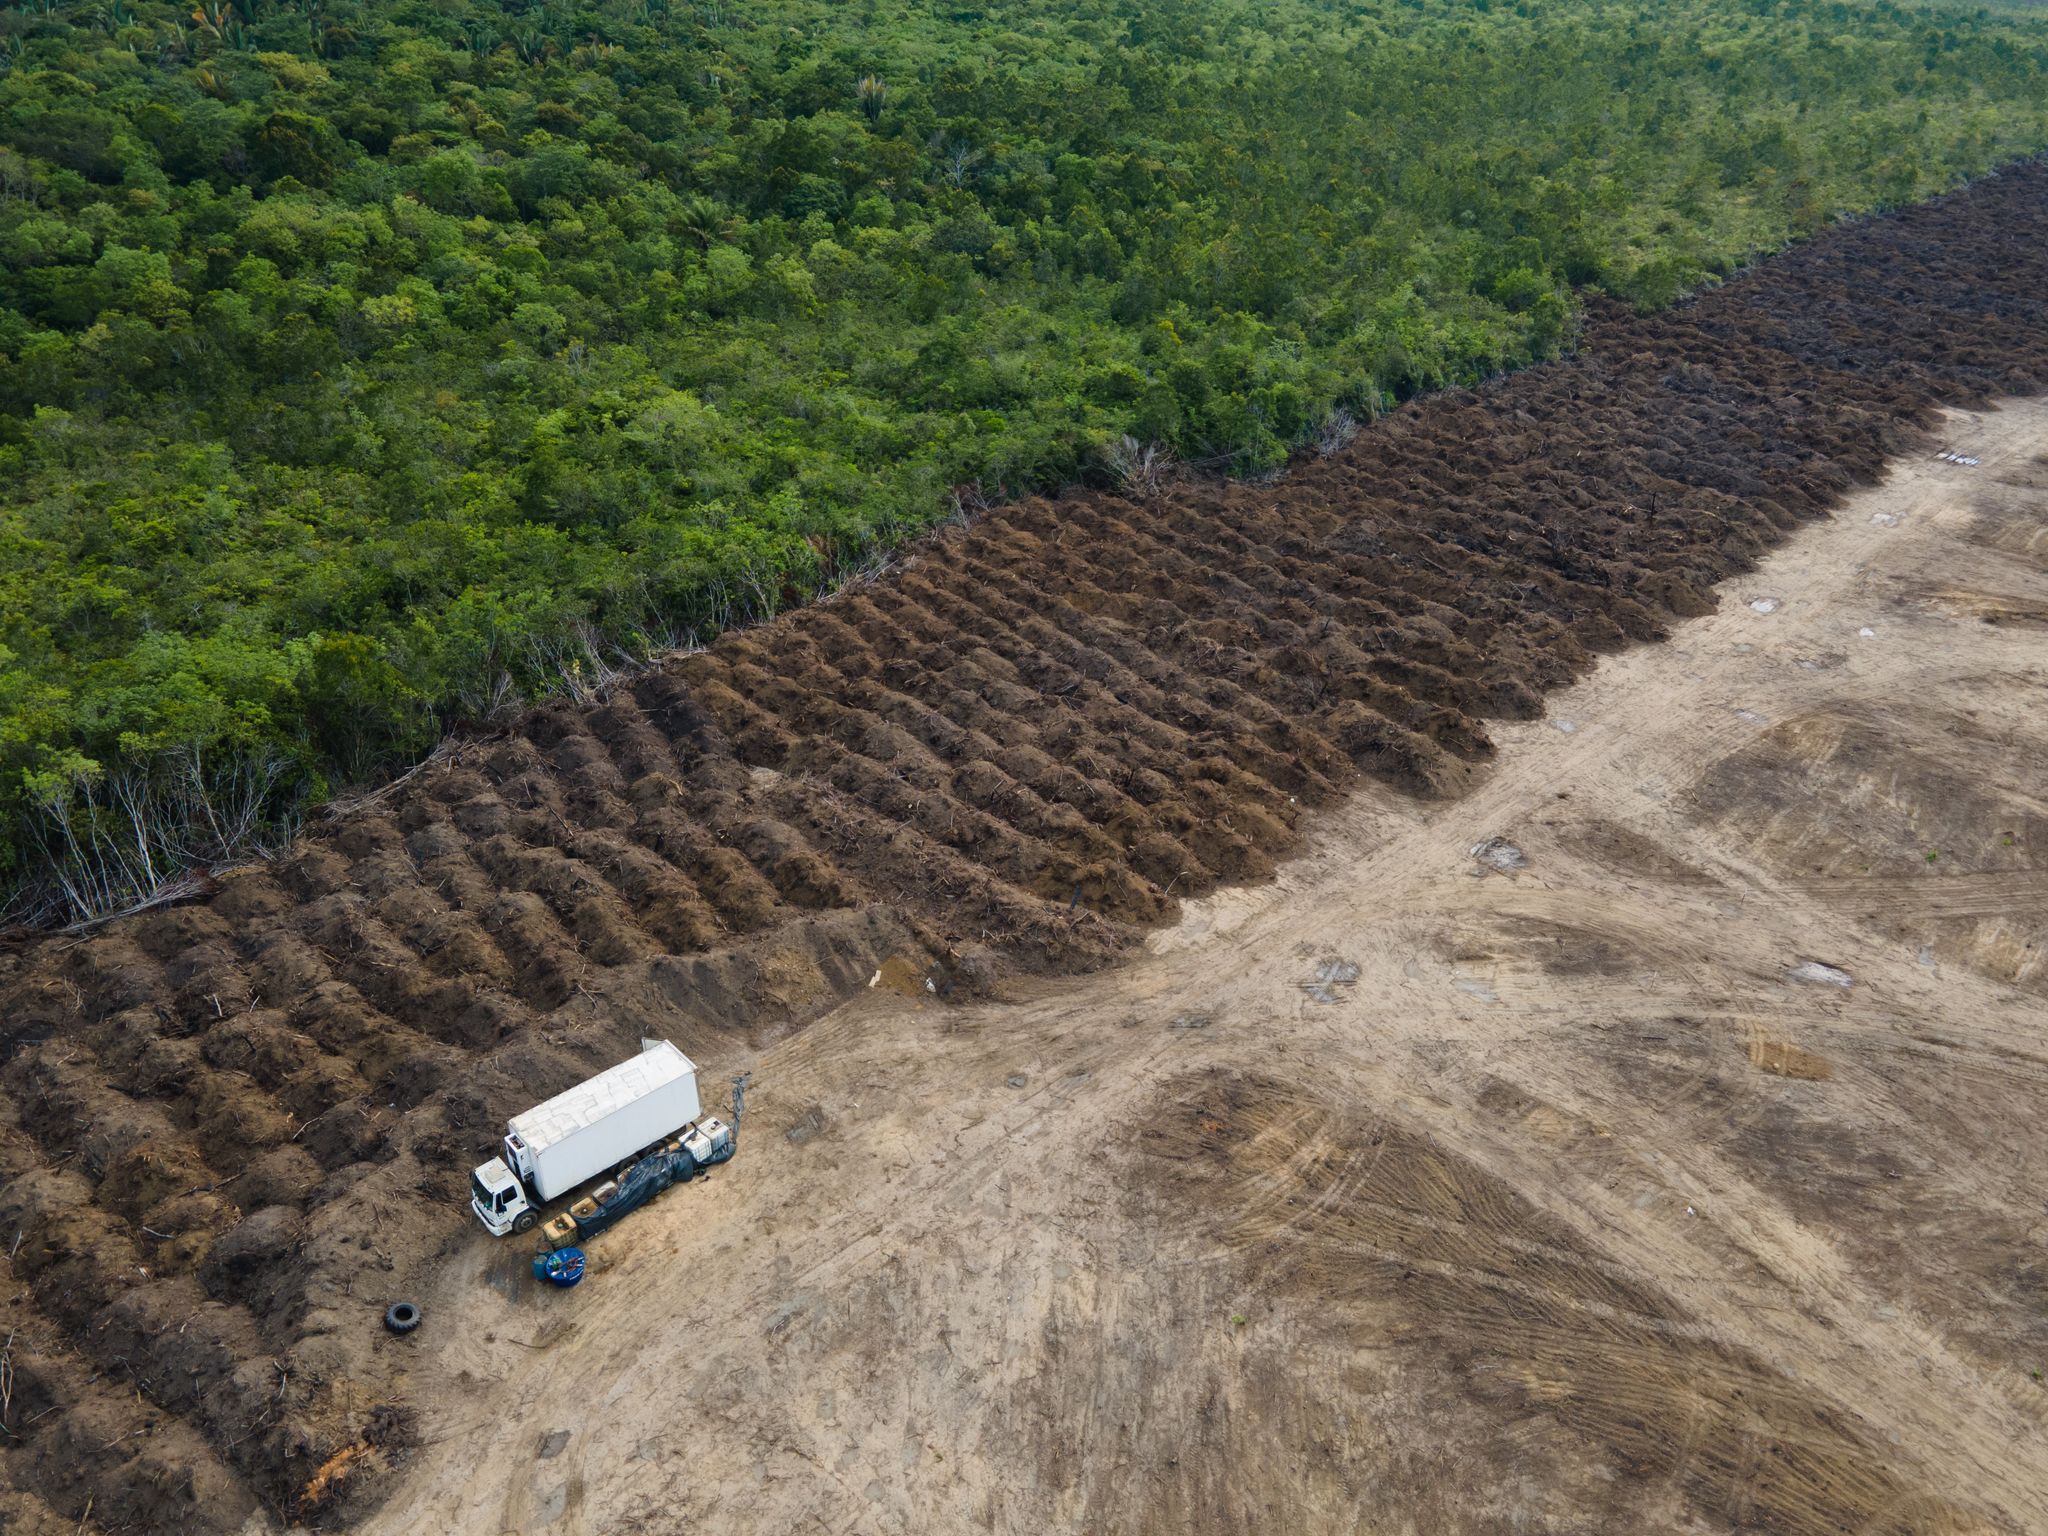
(402, 1316)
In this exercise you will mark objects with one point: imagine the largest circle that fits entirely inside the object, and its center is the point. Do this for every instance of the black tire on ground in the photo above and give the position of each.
(402, 1316)
(525, 1221)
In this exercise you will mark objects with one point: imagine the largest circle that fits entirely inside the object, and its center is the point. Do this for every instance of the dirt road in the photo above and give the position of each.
(1673, 1164)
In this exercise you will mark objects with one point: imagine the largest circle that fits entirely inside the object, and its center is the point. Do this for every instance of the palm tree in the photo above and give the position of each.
(212, 18)
(872, 96)
(702, 219)
(532, 46)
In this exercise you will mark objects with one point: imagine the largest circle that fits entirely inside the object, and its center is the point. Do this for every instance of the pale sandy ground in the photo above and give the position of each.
(1576, 1211)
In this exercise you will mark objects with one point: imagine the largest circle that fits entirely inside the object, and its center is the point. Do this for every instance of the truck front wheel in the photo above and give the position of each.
(525, 1221)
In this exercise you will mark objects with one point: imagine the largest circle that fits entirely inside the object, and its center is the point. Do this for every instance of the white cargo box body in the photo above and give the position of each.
(623, 1110)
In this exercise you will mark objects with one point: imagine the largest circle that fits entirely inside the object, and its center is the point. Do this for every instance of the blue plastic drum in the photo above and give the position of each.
(563, 1267)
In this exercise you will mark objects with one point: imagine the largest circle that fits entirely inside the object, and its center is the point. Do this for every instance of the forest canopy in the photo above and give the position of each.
(367, 367)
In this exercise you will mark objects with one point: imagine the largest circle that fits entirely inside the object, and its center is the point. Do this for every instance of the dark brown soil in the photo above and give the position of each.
(234, 1131)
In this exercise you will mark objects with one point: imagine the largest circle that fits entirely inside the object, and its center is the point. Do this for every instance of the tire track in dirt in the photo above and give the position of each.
(1416, 1249)
(236, 1128)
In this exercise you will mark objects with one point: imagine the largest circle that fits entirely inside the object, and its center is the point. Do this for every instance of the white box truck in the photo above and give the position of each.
(600, 1124)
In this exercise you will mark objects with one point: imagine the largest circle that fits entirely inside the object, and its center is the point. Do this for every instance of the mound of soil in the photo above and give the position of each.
(234, 1131)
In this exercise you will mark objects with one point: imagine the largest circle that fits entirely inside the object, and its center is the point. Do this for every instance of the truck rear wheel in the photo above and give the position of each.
(525, 1221)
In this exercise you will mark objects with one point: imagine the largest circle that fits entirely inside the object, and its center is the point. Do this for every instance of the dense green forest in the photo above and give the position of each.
(371, 365)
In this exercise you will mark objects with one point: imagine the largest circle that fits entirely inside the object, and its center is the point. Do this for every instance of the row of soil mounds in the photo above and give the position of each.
(234, 1130)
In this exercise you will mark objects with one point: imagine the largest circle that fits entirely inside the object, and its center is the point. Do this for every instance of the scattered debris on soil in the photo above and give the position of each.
(1781, 1058)
(230, 1126)
(1498, 853)
(1820, 975)
(1332, 982)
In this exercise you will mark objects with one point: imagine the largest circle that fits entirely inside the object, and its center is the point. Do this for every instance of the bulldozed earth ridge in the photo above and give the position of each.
(234, 1130)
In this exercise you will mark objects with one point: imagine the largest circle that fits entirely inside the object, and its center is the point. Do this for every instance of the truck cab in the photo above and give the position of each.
(499, 1200)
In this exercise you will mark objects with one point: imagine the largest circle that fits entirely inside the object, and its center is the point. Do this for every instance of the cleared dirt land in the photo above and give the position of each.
(1414, 1191)
(1384, 1187)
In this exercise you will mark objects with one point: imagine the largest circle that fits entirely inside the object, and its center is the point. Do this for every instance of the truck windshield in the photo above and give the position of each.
(483, 1196)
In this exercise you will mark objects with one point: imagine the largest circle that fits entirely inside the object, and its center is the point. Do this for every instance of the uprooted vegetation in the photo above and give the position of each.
(235, 1129)
(369, 372)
